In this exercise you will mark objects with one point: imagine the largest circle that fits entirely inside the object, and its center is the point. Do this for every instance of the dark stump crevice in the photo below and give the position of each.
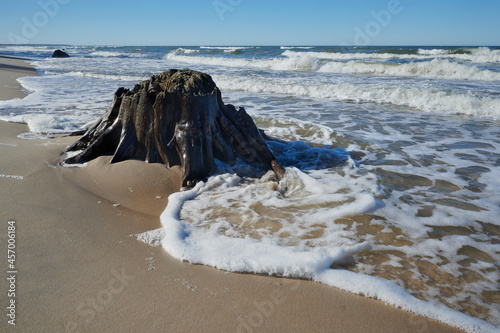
(175, 118)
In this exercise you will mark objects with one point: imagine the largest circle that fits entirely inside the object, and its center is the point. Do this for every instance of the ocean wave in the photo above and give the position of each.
(350, 56)
(478, 54)
(297, 47)
(436, 68)
(433, 52)
(426, 100)
(182, 50)
(233, 50)
(114, 54)
(310, 61)
(26, 48)
(228, 48)
(117, 77)
(474, 55)
(212, 61)
(42, 124)
(300, 62)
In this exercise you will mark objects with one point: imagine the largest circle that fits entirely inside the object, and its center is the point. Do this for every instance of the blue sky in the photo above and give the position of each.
(251, 22)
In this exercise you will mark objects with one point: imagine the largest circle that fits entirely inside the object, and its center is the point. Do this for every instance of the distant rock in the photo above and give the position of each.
(175, 118)
(60, 54)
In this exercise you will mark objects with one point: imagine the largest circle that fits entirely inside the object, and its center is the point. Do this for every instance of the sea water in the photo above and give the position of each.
(392, 156)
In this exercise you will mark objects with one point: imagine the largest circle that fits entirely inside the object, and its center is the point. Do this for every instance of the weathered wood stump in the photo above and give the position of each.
(175, 118)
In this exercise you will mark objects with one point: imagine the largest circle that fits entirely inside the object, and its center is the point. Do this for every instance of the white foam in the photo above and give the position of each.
(296, 47)
(117, 77)
(299, 62)
(152, 237)
(393, 294)
(310, 61)
(474, 55)
(428, 100)
(187, 242)
(59, 103)
(182, 50)
(106, 54)
(44, 49)
(350, 56)
(198, 243)
(444, 69)
(478, 55)
(227, 48)
(433, 52)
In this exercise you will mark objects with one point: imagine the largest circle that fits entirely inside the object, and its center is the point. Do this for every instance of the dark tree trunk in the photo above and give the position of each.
(175, 118)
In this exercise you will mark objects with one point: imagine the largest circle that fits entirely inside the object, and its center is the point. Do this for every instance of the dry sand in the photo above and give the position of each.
(80, 270)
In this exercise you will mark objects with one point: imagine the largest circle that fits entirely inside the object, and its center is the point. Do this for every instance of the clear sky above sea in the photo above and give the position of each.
(251, 22)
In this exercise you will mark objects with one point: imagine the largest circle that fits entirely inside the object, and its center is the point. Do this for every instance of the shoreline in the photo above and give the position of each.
(80, 269)
(12, 68)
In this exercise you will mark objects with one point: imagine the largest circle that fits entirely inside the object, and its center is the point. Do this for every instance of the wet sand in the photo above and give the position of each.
(11, 68)
(80, 270)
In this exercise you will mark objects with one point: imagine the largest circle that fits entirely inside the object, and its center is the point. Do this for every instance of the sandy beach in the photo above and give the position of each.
(12, 68)
(80, 269)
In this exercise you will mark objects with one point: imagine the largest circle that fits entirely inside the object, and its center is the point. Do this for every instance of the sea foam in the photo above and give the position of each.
(436, 68)
(207, 244)
(424, 99)
(473, 55)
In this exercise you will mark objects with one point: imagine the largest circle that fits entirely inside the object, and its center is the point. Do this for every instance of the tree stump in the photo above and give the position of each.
(175, 118)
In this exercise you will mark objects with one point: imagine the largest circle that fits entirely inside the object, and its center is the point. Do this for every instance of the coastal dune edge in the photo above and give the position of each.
(79, 269)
